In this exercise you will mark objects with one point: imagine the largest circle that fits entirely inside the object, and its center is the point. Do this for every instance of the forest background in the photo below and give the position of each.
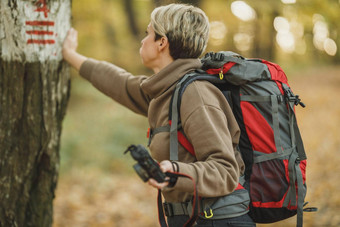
(97, 185)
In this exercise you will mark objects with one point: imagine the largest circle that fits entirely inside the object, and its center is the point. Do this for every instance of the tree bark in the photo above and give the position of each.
(34, 91)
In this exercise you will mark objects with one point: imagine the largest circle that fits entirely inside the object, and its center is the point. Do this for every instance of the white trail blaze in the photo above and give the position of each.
(34, 31)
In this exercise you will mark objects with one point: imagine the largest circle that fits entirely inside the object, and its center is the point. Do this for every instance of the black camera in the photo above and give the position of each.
(145, 167)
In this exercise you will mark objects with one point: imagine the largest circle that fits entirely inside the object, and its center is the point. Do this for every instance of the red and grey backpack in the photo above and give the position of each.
(270, 143)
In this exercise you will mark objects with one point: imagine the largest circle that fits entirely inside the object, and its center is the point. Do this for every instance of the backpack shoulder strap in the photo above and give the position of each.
(174, 118)
(176, 135)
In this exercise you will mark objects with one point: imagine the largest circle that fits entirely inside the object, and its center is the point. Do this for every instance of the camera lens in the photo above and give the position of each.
(141, 172)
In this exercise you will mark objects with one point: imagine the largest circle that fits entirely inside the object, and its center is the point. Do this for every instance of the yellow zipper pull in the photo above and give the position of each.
(221, 74)
(208, 216)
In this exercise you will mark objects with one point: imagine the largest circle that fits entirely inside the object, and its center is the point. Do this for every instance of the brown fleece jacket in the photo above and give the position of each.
(206, 117)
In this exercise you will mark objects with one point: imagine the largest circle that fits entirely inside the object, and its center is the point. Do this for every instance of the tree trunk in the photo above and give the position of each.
(265, 35)
(34, 90)
(164, 2)
(130, 13)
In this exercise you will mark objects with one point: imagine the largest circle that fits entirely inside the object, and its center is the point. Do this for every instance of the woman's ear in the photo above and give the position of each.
(163, 43)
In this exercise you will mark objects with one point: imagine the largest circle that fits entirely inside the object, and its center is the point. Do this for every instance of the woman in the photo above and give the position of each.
(176, 36)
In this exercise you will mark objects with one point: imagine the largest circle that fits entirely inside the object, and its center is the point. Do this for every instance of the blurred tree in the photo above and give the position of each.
(321, 11)
(264, 34)
(191, 2)
(128, 5)
(264, 37)
(34, 91)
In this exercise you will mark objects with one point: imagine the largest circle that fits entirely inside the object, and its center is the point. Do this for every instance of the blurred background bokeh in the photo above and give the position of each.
(97, 185)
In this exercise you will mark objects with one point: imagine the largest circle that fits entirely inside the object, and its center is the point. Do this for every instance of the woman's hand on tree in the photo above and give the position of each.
(70, 50)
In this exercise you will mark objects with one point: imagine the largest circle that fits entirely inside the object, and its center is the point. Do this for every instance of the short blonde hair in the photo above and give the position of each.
(185, 26)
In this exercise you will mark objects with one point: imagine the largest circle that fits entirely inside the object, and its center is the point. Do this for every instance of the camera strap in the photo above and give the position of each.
(194, 214)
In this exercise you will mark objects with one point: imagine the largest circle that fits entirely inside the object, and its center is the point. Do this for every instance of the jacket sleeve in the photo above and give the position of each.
(116, 83)
(211, 128)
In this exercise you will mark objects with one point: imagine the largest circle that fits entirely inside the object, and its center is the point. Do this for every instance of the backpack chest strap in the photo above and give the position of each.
(152, 132)
(182, 139)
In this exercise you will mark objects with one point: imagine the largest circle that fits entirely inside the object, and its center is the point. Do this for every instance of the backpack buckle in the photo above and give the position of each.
(298, 101)
(292, 98)
(217, 57)
(280, 99)
(168, 209)
(149, 135)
